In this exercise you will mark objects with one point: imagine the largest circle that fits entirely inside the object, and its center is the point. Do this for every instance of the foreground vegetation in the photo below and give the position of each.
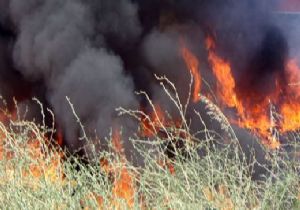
(36, 174)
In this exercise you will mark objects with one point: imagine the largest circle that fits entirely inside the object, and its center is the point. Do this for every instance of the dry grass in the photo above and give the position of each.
(35, 175)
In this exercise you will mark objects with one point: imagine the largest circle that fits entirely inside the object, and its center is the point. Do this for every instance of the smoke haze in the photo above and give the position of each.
(99, 52)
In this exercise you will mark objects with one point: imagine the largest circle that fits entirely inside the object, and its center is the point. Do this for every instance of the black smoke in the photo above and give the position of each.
(98, 52)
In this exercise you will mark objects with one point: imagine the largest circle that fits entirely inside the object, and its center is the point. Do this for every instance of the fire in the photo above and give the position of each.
(150, 126)
(117, 141)
(4, 153)
(59, 137)
(42, 166)
(253, 111)
(258, 117)
(293, 75)
(290, 110)
(192, 64)
(123, 186)
(290, 117)
(254, 117)
(222, 71)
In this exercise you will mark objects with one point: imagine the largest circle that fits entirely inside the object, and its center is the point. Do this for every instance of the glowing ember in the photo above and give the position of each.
(193, 65)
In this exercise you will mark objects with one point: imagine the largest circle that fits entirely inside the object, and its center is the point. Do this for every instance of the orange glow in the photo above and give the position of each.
(290, 109)
(293, 74)
(117, 141)
(151, 126)
(48, 167)
(222, 71)
(167, 165)
(123, 185)
(192, 64)
(254, 117)
(156, 124)
(92, 196)
(59, 137)
(290, 117)
(123, 188)
(45, 166)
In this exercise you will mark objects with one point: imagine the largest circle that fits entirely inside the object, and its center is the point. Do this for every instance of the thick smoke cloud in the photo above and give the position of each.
(3, 11)
(239, 27)
(288, 23)
(11, 81)
(117, 21)
(63, 44)
(52, 34)
(98, 52)
(95, 103)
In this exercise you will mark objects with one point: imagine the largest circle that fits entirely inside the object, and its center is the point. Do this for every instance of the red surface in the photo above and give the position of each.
(289, 5)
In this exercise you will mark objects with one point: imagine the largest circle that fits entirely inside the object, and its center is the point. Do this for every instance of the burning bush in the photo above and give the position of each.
(226, 137)
(202, 170)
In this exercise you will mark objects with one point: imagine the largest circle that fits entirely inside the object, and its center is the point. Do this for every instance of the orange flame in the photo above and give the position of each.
(151, 126)
(290, 110)
(222, 71)
(290, 113)
(117, 141)
(123, 187)
(193, 65)
(59, 137)
(45, 166)
(255, 117)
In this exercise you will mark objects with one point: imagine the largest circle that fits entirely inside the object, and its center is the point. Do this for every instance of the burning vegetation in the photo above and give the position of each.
(215, 123)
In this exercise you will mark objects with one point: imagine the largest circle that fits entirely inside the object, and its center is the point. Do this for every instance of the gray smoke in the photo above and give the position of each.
(97, 52)
(52, 34)
(96, 85)
(63, 44)
(3, 10)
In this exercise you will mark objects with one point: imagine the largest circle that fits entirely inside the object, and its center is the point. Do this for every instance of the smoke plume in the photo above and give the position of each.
(99, 52)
